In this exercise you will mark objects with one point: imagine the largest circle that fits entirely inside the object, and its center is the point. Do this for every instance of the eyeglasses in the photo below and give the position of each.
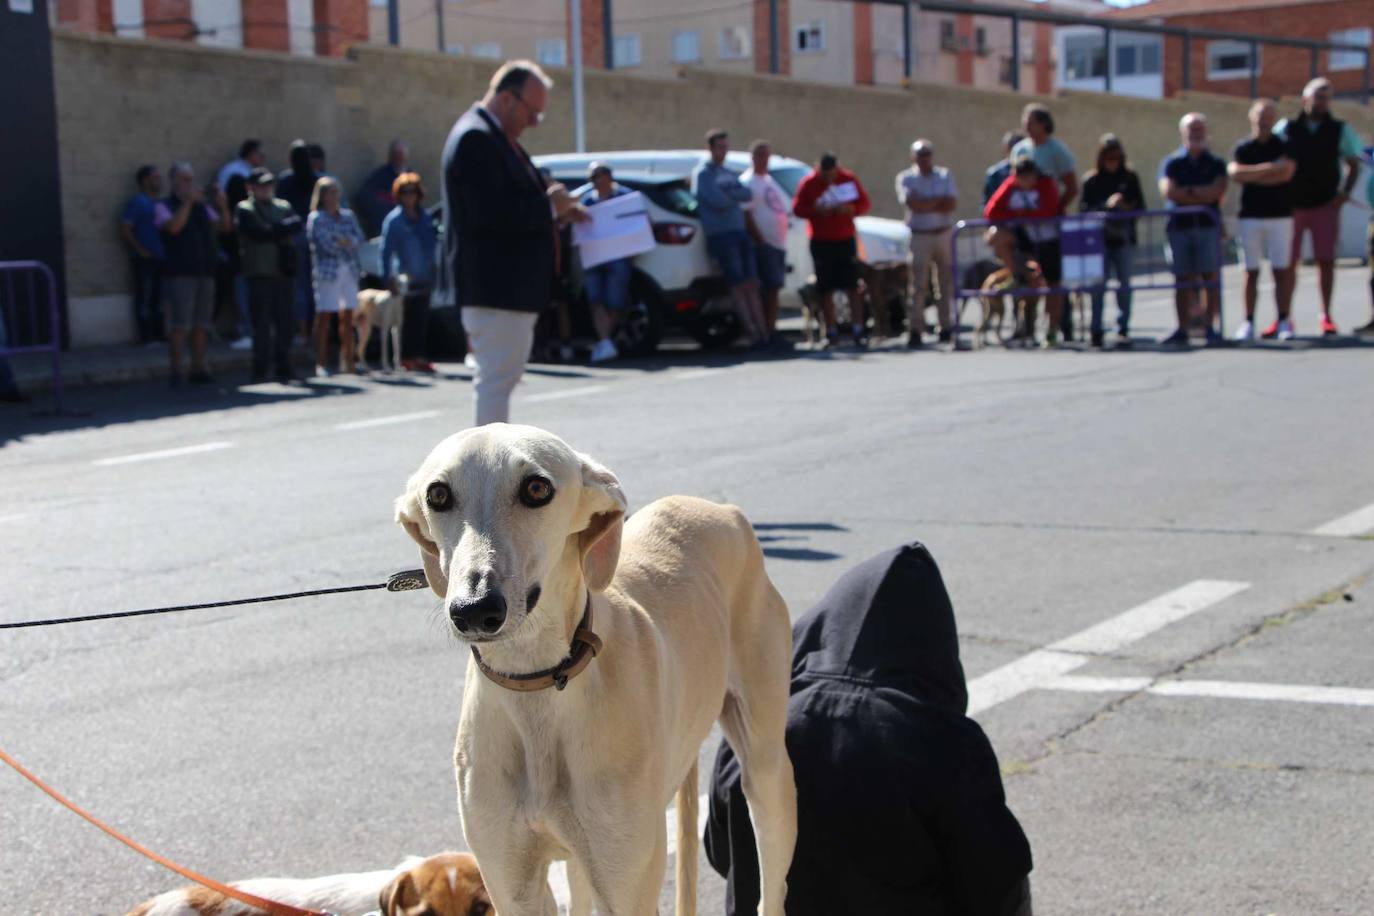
(538, 115)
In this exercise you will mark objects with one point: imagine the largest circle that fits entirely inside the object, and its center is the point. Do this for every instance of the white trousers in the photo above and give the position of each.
(500, 341)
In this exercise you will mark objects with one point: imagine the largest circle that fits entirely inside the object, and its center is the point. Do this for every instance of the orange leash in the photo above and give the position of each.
(267, 906)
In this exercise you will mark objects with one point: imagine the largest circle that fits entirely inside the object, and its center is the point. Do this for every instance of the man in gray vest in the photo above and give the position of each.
(1318, 144)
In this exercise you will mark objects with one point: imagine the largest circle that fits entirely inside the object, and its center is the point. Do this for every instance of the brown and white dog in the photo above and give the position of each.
(447, 884)
(384, 310)
(994, 301)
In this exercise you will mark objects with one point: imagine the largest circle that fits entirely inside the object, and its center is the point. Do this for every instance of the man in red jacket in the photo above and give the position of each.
(829, 199)
(1032, 196)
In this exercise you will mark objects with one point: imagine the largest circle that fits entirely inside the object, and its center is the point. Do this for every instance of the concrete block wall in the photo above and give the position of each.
(125, 102)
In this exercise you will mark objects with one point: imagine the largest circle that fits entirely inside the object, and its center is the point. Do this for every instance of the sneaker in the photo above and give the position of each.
(322, 372)
(1213, 338)
(1270, 332)
(945, 335)
(914, 341)
(1328, 327)
(604, 351)
(1246, 332)
(1099, 340)
(243, 343)
(1177, 339)
(469, 362)
(1285, 330)
(1051, 340)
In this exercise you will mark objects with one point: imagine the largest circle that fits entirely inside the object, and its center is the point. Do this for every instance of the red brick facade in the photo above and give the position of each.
(863, 44)
(168, 19)
(761, 37)
(965, 32)
(1044, 62)
(338, 24)
(1283, 71)
(266, 25)
(593, 33)
(86, 15)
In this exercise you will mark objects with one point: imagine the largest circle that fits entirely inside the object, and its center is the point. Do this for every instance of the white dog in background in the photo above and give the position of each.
(603, 652)
(385, 310)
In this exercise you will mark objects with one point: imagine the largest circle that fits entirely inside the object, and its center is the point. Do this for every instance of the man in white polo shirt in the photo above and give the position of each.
(928, 193)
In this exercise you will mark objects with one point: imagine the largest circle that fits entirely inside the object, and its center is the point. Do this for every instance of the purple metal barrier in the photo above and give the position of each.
(1082, 237)
(19, 286)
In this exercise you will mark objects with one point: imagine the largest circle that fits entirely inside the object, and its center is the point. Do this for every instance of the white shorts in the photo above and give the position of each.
(338, 293)
(1267, 238)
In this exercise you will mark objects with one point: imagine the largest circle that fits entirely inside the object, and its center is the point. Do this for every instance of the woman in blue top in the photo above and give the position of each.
(408, 246)
(334, 236)
(608, 284)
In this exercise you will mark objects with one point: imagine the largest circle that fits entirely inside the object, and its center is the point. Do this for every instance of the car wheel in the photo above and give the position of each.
(641, 328)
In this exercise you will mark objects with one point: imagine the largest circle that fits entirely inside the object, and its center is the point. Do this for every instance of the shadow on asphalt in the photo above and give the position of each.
(774, 549)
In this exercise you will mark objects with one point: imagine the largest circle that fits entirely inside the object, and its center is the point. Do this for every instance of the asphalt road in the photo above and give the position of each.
(1058, 490)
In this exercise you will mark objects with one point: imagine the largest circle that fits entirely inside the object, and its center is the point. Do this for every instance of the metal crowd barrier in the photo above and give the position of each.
(28, 312)
(1082, 238)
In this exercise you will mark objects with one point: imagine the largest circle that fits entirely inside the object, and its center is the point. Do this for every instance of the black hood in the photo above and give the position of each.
(299, 157)
(888, 621)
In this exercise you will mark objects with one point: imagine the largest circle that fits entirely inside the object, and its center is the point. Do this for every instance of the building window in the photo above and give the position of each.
(552, 52)
(491, 49)
(1004, 72)
(1127, 63)
(734, 43)
(948, 40)
(1350, 60)
(686, 47)
(626, 52)
(810, 38)
(1231, 59)
(1085, 58)
(1149, 58)
(980, 41)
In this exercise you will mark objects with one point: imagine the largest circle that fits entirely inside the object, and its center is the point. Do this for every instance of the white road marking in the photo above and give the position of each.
(1226, 690)
(566, 393)
(693, 374)
(1361, 521)
(164, 453)
(558, 871)
(1056, 660)
(387, 421)
(16, 517)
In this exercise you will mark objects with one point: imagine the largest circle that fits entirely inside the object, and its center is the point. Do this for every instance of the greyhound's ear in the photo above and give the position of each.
(391, 899)
(599, 541)
(412, 518)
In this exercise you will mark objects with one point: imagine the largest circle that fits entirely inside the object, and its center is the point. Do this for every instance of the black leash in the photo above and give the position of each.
(405, 581)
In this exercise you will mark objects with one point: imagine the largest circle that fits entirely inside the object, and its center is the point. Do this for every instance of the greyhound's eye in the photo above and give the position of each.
(536, 491)
(439, 497)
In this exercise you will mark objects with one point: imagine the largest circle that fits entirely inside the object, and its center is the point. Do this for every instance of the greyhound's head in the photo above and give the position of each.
(505, 515)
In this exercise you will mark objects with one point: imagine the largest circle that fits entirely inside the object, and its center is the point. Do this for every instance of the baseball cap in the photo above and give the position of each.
(260, 175)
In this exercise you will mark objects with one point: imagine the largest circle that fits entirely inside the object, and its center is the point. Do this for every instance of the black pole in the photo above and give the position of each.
(773, 63)
(439, 18)
(1187, 61)
(1254, 69)
(393, 22)
(1107, 53)
(1015, 53)
(608, 33)
(1316, 62)
(906, 39)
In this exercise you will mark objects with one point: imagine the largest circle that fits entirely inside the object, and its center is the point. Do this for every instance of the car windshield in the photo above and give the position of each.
(789, 176)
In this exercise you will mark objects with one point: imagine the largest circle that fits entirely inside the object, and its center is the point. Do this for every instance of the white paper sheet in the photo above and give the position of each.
(619, 228)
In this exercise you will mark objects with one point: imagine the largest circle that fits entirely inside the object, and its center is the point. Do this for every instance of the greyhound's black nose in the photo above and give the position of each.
(482, 615)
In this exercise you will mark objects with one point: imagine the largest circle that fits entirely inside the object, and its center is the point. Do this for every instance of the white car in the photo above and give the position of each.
(678, 273)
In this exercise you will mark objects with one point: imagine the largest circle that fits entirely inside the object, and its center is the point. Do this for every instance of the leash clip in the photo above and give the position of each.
(407, 580)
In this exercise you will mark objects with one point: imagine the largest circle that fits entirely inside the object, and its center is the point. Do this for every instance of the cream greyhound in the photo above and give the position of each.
(603, 651)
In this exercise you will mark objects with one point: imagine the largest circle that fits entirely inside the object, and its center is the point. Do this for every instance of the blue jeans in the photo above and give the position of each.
(148, 300)
(303, 287)
(1114, 261)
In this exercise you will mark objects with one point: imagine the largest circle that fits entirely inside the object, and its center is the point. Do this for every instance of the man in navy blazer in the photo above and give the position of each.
(499, 236)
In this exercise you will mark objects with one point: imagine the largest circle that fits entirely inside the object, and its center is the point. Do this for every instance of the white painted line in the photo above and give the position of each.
(1289, 693)
(558, 871)
(692, 374)
(17, 517)
(1044, 666)
(387, 421)
(1361, 521)
(1154, 615)
(567, 393)
(164, 453)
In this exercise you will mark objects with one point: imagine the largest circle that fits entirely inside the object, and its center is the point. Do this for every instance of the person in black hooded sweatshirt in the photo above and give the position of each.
(295, 186)
(900, 808)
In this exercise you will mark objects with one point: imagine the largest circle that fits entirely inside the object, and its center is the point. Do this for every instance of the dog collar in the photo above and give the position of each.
(585, 646)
